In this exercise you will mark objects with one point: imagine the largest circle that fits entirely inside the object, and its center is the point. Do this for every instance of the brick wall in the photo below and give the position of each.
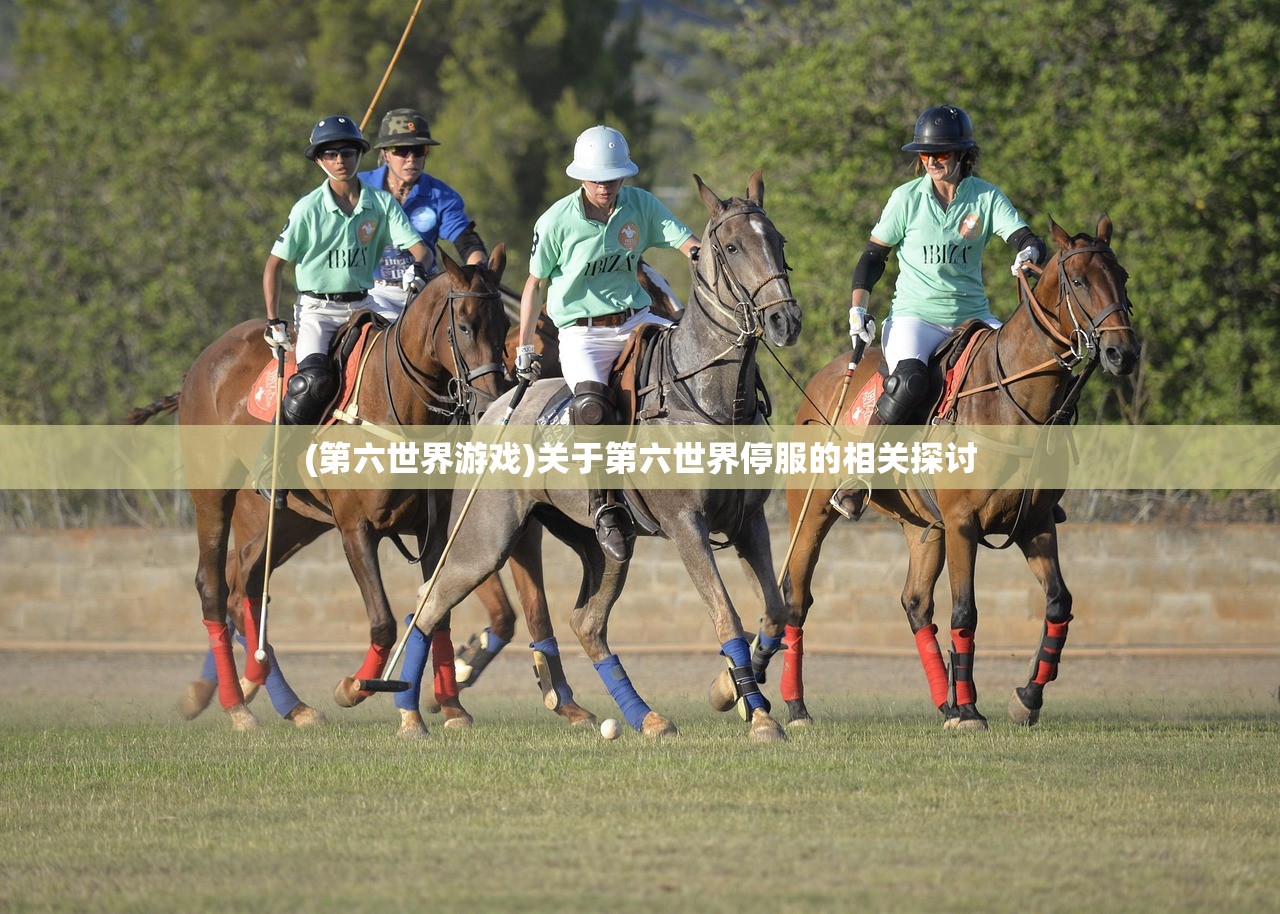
(1134, 587)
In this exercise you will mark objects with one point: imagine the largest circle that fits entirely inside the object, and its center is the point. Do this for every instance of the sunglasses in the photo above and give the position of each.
(937, 156)
(345, 152)
(404, 152)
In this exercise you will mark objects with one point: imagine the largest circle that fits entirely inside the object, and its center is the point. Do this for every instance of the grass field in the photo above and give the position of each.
(1149, 785)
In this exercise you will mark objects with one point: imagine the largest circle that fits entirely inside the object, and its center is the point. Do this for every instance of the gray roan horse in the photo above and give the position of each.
(703, 372)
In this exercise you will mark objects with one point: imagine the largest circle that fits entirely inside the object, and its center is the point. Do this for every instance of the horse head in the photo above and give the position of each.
(741, 268)
(466, 331)
(1093, 306)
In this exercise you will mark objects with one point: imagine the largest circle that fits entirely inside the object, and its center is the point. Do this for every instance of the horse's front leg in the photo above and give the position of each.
(361, 548)
(1041, 551)
(962, 707)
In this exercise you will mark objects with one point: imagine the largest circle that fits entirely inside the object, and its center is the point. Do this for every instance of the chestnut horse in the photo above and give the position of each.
(440, 362)
(1028, 372)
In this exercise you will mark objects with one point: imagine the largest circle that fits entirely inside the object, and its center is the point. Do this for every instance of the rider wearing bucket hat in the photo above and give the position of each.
(334, 236)
(586, 250)
(938, 225)
(435, 209)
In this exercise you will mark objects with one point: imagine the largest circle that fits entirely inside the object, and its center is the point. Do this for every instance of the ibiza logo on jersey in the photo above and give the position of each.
(629, 236)
(970, 226)
(365, 230)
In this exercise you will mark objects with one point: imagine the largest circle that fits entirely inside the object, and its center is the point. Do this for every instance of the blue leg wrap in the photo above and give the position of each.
(622, 691)
(209, 670)
(283, 698)
(769, 644)
(551, 648)
(739, 654)
(414, 668)
(493, 643)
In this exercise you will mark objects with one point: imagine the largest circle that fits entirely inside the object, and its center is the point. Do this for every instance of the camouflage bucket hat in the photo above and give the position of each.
(404, 127)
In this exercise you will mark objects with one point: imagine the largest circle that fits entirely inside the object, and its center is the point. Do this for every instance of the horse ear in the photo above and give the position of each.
(1104, 229)
(498, 259)
(709, 197)
(1060, 238)
(755, 188)
(451, 266)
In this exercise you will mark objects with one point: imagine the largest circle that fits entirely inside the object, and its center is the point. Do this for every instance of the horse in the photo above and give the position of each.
(422, 366)
(702, 371)
(1029, 372)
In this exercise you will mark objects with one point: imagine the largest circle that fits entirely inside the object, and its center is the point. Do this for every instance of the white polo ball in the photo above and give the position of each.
(260, 655)
(610, 728)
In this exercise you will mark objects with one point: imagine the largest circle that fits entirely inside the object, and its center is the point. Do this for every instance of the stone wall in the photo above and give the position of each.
(1135, 587)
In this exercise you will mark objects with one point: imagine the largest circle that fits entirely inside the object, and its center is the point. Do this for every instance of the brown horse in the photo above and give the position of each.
(1028, 372)
(442, 359)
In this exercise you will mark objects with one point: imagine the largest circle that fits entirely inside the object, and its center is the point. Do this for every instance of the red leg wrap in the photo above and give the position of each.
(1051, 643)
(446, 680)
(792, 685)
(253, 670)
(962, 644)
(229, 692)
(374, 663)
(931, 659)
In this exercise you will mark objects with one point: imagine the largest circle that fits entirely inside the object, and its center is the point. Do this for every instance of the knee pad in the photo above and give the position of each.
(309, 391)
(904, 390)
(593, 404)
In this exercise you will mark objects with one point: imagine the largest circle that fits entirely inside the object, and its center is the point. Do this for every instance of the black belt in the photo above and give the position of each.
(617, 319)
(338, 296)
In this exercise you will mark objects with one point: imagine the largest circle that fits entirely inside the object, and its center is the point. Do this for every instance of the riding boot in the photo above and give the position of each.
(615, 528)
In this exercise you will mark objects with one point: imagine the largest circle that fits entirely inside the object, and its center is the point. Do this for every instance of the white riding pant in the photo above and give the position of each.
(388, 300)
(915, 338)
(316, 320)
(588, 353)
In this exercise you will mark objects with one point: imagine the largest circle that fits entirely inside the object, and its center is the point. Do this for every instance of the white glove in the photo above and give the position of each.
(414, 278)
(277, 336)
(861, 325)
(528, 364)
(1026, 255)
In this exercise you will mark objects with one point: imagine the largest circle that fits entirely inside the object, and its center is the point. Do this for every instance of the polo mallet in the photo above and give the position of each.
(391, 66)
(399, 685)
(858, 349)
(260, 654)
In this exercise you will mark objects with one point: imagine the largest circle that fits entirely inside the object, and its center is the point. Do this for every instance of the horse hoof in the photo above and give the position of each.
(1021, 714)
(655, 725)
(576, 715)
(764, 729)
(463, 721)
(965, 717)
(800, 723)
(411, 726)
(242, 718)
(304, 716)
(250, 690)
(723, 695)
(346, 694)
(196, 698)
(798, 714)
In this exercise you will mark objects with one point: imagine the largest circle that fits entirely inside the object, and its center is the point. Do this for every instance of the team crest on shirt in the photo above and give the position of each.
(970, 226)
(366, 229)
(629, 236)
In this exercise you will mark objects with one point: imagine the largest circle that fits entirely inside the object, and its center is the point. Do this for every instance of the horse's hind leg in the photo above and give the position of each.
(962, 553)
(213, 525)
(1041, 551)
(815, 522)
(482, 647)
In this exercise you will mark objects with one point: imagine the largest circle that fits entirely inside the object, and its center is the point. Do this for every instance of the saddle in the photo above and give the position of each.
(345, 350)
(629, 368)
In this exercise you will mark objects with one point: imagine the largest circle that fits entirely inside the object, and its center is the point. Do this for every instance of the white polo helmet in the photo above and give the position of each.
(601, 154)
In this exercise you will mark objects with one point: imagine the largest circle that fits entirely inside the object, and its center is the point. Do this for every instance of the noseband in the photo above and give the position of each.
(750, 326)
(1082, 343)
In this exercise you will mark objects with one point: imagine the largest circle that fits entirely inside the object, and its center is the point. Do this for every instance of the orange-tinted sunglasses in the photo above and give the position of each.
(937, 156)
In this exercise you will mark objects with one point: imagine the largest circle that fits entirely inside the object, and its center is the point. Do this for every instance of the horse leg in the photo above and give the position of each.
(362, 555)
(1041, 552)
(483, 646)
(213, 525)
(925, 557)
(962, 553)
(526, 570)
(797, 595)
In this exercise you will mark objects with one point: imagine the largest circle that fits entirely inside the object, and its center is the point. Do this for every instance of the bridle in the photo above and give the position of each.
(750, 326)
(461, 400)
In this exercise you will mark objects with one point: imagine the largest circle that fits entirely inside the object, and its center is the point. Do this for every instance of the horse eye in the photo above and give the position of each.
(1078, 283)
(731, 248)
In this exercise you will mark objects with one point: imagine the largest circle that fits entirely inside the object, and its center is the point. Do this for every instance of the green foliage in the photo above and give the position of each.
(1162, 113)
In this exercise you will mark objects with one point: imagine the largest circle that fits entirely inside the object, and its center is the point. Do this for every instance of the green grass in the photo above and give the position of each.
(1108, 805)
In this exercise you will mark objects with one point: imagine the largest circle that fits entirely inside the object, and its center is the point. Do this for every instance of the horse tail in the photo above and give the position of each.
(161, 407)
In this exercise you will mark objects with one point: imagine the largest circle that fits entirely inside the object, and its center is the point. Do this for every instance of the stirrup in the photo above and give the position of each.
(857, 490)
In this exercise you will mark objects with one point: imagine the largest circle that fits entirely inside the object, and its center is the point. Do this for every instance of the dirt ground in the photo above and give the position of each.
(127, 686)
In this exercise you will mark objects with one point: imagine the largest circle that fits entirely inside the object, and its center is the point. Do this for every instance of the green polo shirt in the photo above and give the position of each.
(334, 252)
(591, 266)
(940, 251)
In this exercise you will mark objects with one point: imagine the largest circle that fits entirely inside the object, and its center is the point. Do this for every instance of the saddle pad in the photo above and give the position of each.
(955, 376)
(864, 404)
(262, 395)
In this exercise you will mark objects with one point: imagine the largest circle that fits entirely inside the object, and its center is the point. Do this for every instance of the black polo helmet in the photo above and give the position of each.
(335, 129)
(940, 129)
